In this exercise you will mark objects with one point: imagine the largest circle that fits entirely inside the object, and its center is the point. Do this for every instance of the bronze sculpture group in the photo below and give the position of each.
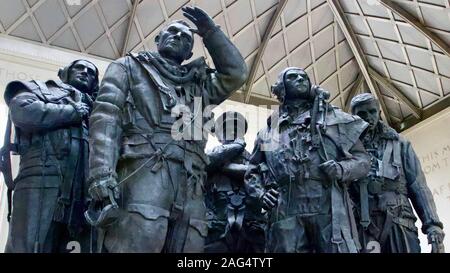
(120, 166)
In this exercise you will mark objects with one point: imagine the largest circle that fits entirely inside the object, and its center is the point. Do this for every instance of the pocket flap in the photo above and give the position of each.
(134, 140)
(148, 211)
(200, 225)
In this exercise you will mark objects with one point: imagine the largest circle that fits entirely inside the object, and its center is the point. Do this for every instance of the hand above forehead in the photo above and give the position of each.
(200, 18)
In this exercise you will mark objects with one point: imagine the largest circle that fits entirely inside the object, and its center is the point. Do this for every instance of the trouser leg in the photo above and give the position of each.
(323, 234)
(32, 213)
(401, 240)
(63, 242)
(136, 233)
(218, 246)
(144, 210)
(288, 236)
(195, 209)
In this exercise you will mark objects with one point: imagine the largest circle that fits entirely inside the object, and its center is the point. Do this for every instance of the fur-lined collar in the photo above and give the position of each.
(194, 71)
(386, 131)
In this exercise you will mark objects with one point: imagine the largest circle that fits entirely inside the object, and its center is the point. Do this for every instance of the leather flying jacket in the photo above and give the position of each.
(45, 122)
(400, 177)
(153, 88)
(284, 159)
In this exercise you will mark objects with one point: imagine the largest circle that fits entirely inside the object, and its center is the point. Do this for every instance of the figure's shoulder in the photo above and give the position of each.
(130, 60)
(390, 133)
(335, 116)
(138, 57)
(246, 155)
(135, 56)
(122, 61)
(15, 87)
(261, 132)
(404, 141)
(353, 124)
(345, 128)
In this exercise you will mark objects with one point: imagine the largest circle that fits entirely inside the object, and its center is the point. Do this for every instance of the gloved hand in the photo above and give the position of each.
(436, 238)
(270, 199)
(240, 141)
(82, 109)
(200, 18)
(332, 169)
(101, 189)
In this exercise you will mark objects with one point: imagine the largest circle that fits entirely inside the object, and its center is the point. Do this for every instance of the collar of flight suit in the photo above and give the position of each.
(386, 132)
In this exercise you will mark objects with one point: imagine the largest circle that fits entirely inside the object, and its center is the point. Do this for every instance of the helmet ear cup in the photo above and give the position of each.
(230, 120)
(63, 75)
(278, 90)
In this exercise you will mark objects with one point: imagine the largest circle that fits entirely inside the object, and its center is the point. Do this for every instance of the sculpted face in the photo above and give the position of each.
(297, 85)
(82, 75)
(175, 42)
(369, 112)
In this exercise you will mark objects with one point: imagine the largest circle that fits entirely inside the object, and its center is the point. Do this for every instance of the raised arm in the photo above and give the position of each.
(231, 70)
(236, 170)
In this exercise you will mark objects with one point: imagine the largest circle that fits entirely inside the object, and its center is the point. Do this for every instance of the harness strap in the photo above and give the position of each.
(64, 198)
(397, 160)
(177, 230)
(167, 99)
(386, 228)
(364, 197)
(341, 215)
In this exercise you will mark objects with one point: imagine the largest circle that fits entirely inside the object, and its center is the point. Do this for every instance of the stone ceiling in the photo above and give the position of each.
(398, 50)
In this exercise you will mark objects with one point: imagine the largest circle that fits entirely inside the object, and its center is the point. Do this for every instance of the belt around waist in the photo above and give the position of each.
(300, 180)
(161, 139)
